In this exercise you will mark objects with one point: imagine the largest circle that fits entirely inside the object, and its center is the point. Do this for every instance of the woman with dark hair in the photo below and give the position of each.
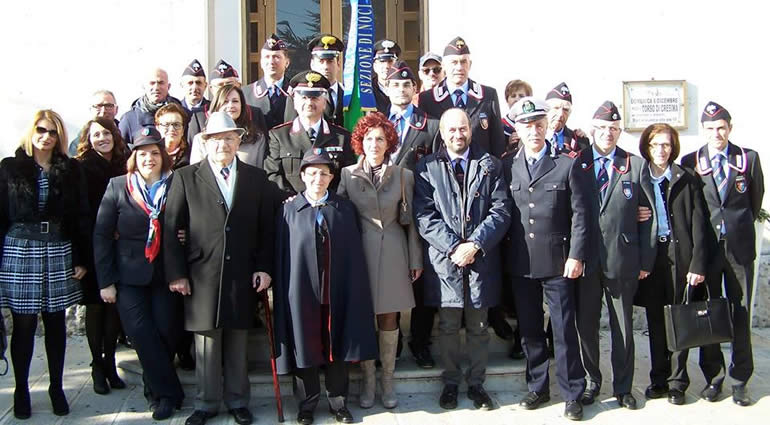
(44, 228)
(171, 121)
(229, 99)
(130, 268)
(679, 232)
(382, 194)
(101, 155)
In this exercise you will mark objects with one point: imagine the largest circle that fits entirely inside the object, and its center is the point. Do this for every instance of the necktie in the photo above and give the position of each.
(459, 173)
(398, 122)
(274, 95)
(531, 166)
(333, 98)
(311, 135)
(459, 103)
(720, 178)
(602, 179)
(225, 173)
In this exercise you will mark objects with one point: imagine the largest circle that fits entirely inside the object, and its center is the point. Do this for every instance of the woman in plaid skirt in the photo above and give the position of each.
(44, 224)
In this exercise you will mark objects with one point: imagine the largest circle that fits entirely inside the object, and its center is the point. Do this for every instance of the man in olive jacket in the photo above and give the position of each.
(226, 210)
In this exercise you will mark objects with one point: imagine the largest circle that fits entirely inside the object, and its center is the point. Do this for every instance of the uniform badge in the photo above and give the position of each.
(628, 190)
(146, 131)
(312, 78)
(404, 74)
(483, 121)
(388, 44)
(740, 184)
(528, 107)
(327, 40)
(584, 165)
(318, 151)
(711, 109)
(615, 116)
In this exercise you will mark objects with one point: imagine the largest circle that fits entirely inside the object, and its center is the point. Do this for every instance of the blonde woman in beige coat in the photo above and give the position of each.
(380, 191)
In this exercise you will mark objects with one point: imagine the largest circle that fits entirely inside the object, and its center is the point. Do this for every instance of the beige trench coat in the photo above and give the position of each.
(391, 249)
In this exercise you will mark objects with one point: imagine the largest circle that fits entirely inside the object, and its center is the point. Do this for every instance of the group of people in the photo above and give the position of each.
(435, 203)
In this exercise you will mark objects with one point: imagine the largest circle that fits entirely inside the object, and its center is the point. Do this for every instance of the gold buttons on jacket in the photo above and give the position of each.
(531, 221)
(531, 205)
(531, 189)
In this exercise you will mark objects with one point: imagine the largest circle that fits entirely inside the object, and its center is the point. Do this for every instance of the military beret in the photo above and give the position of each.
(316, 156)
(400, 71)
(326, 46)
(430, 56)
(274, 43)
(386, 50)
(309, 83)
(224, 70)
(147, 136)
(194, 69)
(607, 112)
(456, 47)
(529, 109)
(561, 91)
(715, 112)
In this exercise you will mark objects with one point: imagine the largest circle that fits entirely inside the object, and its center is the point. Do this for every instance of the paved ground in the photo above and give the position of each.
(128, 406)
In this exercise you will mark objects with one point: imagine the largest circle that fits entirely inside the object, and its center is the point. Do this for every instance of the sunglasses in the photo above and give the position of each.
(43, 130)
(436, 70)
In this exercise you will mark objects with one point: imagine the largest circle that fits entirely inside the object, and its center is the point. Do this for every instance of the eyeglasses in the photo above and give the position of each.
(167, 125)
(436, 70)
(42, 130)
(321, 174)
(661, 146)
(605, 129)
(105, 106)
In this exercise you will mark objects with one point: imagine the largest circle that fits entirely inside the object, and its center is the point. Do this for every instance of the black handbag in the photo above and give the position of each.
(698, 323)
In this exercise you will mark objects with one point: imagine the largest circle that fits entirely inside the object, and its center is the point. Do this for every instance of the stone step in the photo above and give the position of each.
(503, 374)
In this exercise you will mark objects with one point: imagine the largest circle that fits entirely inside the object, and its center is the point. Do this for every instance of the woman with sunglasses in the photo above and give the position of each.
(45, 244)
(101, 153)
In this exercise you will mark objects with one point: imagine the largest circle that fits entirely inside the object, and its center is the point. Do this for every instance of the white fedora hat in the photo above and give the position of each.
(220, 122)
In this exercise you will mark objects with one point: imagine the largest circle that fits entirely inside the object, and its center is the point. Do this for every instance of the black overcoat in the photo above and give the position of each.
(297, 291)
(224, 246)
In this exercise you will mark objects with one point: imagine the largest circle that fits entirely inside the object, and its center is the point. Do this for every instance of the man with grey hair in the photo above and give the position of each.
(103, 105)
(462, 210)
(142, 112)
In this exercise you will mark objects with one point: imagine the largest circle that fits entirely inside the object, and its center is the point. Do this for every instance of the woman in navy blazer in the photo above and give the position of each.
(130, 269)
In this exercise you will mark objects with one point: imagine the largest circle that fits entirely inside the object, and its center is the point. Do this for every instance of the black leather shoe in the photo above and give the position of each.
(305, 417)
(676, 397)
(164, 409)
(517, 353)
(590, 394)
(626, 400)
(22, 407)
(422, 357)
(711, 392)
(59, 402)
(741, 395)
(573, 410)
(242, 415)
(99, 380)
(656, 391)
(533, 400)
(481, 399)
(498, 323)
(342, 415)
(199, 417)
(448, 399)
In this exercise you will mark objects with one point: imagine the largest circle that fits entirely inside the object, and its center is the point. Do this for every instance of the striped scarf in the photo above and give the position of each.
(152, 206)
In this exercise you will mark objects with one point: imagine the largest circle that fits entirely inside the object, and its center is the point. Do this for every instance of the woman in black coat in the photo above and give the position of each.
(101, 155)
(44, 227)
(130, 268)
(679, 232)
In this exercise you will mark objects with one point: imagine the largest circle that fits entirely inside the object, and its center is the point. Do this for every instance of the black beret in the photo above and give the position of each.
(326, 46)
(607, 112)
(195, 69)
(400, 71)
(456, 47)
(147, 136)
(274, 43)
(561, 91)
(316, 156)
(386, 49)
(715, 112)
(224, 70)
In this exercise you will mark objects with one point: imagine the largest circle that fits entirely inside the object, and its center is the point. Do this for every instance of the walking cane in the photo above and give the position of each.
(269, 325)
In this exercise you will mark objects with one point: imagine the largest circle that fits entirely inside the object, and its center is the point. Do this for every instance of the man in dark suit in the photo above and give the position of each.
(226, 209)
(622, 254)
(458, 91)
(325, 59)
(269, 93)
(733, 186)
(462, 273)
(548, 245)
(386, 53)
(559, 101)
(193, 82)
(309, 130)
(417, 133)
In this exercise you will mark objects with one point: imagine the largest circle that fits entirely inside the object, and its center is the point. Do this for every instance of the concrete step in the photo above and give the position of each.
(503, 374)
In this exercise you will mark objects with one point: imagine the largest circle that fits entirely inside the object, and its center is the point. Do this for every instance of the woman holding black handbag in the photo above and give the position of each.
(382, 194)
(679, 232)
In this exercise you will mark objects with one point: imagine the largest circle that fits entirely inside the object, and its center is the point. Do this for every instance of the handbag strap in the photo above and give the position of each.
(403, 192)
(686, 296)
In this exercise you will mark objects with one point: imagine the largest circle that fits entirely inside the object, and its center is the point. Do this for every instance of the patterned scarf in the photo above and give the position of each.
(152, 206)
(145, 105)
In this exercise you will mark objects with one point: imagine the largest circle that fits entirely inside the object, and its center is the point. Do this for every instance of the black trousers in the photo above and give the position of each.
(149, 316)
(658, 280)
(560, 295)
(423, 316)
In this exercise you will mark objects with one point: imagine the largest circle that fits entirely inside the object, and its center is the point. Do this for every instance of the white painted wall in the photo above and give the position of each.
(719, 48)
